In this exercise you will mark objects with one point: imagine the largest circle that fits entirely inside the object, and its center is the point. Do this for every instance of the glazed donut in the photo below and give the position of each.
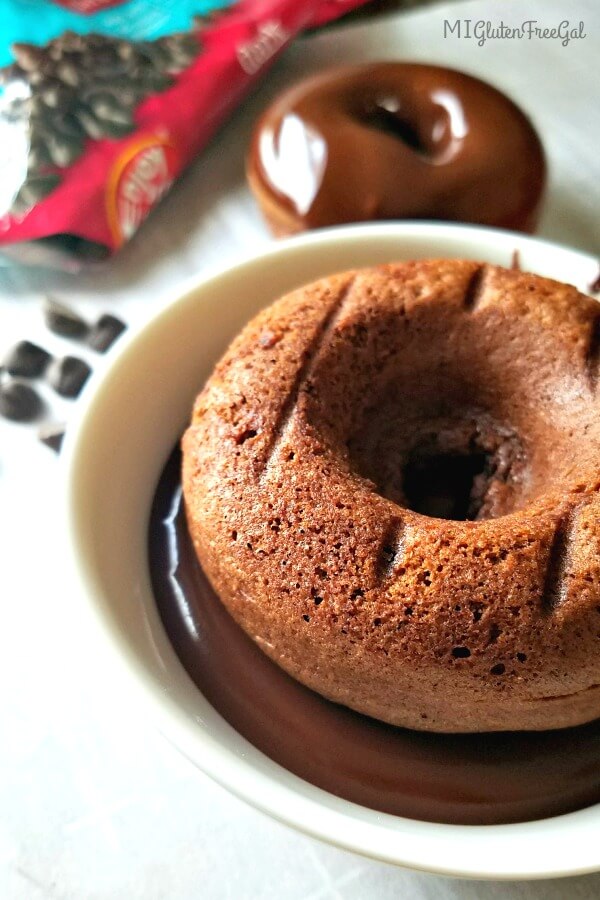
(395, 141)
(392, 481)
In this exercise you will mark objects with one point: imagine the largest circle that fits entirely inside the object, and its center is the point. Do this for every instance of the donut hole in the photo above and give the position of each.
(459, 464)
(440, 410)
(385, 116)
(444, 485)
(425, 127)
(430, 437)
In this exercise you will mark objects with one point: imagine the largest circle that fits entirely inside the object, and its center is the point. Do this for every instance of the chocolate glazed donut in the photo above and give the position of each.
(395, 141)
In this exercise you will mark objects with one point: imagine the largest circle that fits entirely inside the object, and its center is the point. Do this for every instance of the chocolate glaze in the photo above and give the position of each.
(461, 779)
(395, 140)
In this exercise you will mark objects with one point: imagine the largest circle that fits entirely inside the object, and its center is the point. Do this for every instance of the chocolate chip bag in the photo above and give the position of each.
(104, 102)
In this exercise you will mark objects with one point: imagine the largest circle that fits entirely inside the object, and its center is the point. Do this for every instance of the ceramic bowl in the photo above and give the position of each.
(131, 416)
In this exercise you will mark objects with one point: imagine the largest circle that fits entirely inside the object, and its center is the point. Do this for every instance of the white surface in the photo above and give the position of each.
(93, 802)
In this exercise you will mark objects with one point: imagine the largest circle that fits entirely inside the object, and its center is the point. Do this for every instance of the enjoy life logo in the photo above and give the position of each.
(483, 30)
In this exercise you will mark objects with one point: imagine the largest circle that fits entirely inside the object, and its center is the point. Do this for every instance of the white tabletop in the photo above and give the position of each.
(93, 803)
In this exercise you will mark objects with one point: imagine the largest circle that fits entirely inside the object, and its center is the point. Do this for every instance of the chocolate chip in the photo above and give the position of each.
(105, 332)
(152, 80)
(26, 359)
(28, 56)
(38, 156)
(154, 53)
(68, 375)
(103, 62)
(69, 41)
(36, 188)
(67, 125)
(63, 151)
(36, 106)
(37, 76)
(54, 93)
(19, 402)
(107, 107)
(98, 41)
(90, 124)
(67, 72)
(52, 436)
(178, 50)
(63, 320)
(125, 50)
(10, 73)
(98, 128)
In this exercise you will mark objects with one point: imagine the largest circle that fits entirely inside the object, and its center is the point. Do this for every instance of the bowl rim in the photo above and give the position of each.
(406, 842)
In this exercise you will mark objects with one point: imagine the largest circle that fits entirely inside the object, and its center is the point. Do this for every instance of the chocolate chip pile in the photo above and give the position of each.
(26, 362)
(81, 86)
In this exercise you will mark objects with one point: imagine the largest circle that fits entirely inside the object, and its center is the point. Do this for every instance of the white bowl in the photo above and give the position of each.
(132, 415)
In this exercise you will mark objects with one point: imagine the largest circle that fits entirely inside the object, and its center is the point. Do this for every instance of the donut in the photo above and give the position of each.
(395, 141)
(392, 481)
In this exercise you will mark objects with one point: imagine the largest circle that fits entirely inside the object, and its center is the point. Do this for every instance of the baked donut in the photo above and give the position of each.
(392, 480)
(395, 141)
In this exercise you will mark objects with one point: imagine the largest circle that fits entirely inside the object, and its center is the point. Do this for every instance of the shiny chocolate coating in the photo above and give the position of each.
(395, 141)
(472, 779)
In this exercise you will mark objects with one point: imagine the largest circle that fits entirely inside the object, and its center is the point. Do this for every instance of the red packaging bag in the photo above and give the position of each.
(105, 103)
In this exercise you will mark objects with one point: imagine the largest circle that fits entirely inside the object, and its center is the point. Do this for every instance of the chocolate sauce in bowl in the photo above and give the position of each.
(461, 779)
